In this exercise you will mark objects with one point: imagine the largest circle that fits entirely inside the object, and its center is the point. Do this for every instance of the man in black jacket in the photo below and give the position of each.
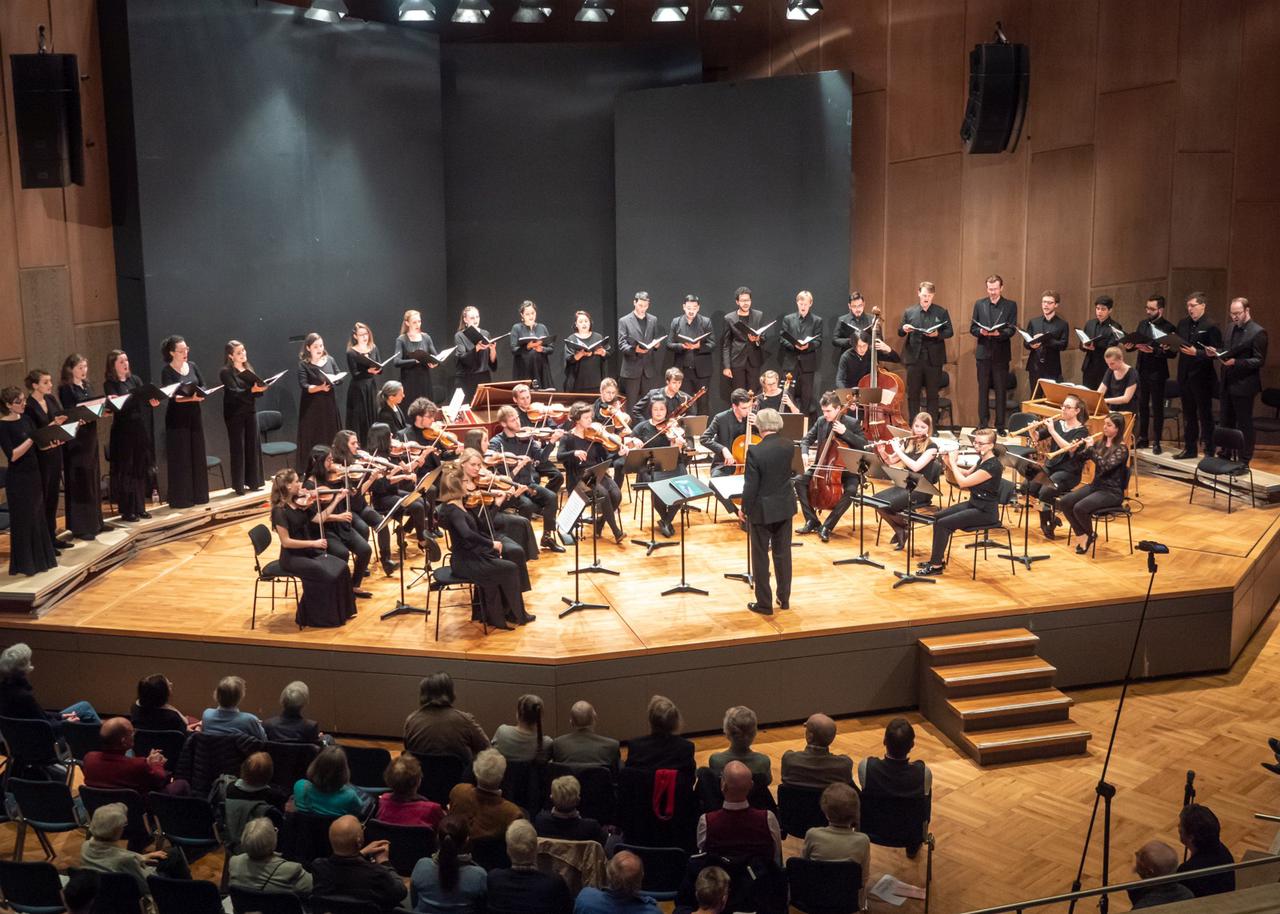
(801, 358)
(995, 320)
(927, 327)
(741, 354)
(693, 358)
(1196, 377)
(357, 870)
(1243, 358)
(769, 503)
(639, 345)
(1153, 373)
(725, 428)
(1049, 336)
(1102, 331)
(853, 326)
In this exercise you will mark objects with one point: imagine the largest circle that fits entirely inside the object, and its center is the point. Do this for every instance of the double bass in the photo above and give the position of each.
(879, 416)
(826, 485)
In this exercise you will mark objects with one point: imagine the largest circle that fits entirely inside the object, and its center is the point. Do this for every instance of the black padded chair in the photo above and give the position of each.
(409, 843)
(526, 785)
(81, 739)
(305, 836)
(290, 761)
(636, 817)
(137, 829)
(440, 774)
(901, 822)
(444, 578)
(248, 901)
(187, 823)
(599, 791)
(1230, 443)
(824, 887)
(367, 764)
(1122, 511)
(33, 750)
(271, 420)
(169, 742)
(212, 463)
(982, 539)
(45, 806)
(706, 785)
(1172, 408)
(664, 869)
(271, 573)
(490, 853)
(799, 809)
(1269, 425)
(184, 896)
(31, 888)
(1017, 422)
(944, 402)
(118, 893)
(333, 904)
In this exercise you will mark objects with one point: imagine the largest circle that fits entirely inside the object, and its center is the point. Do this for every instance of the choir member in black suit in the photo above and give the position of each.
(342, 538)
(651, 434)
(327, 600)
(853, 325)
(239, 411)
(185, 458)
(131, 451)
(639, 345)
(390, 412)
(584, 356)
(579, 452)
(694, 359)
(1049, 334)
(768, 501)
(43, 409)
(414, 374)
(919, 454)
(530, 357)
(845, 431)
(926, 327)
(1197, 380)
(801, 359)
(318, 418)
(476, 359)
(1064, 469)
(1153, 373)
(741, 351)
(30, 545)
(1102, 330)
(82, 474)
(983, 506)
(1110, 459)
(518, 451)
(855, 364)
(1244, 355)
(991, 353)
(362, 385)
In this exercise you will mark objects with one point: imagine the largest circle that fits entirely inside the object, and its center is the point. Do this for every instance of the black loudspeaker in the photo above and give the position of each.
(46, 109)
(999, 81)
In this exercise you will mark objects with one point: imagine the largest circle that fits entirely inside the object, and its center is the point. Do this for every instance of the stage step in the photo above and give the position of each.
(986, 677)
(1010, 709)
(970, 647)
(1015, 744)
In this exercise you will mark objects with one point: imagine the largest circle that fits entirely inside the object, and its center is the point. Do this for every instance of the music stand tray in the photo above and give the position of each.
(678, 492)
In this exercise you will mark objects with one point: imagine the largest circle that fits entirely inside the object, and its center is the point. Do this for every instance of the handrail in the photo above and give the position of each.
(1021, 906)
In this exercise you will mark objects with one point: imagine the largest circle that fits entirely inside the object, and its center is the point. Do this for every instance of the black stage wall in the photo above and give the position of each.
(271, 176)
(529, 200)
(732, 184)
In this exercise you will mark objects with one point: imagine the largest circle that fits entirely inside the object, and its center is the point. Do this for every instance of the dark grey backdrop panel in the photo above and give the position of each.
(732, 184)
(529, 155)
(289, 179)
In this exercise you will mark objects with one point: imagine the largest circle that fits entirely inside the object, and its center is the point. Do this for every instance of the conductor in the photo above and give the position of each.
(769, 503)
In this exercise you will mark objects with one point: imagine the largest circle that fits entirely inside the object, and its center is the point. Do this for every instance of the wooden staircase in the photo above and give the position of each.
(994, 698)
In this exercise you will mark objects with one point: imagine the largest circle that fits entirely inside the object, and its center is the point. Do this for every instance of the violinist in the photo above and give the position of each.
(547, 470)
(657, 431)
(582, 447)
(847, 432)
(401, 476)
(1065, 467)
(855, 363)
(671, 393)
(530, 357)
(693, 358)
(608, 402)
(364, 516)
(584, 355)
(724, 429)
(919, 454)
(1110, 459)
(492, 499)
(326, 581)
(772, 396)
(390, 412)
(519, 454)
(341, 538)
(802, 358)
(475, 358)
(423, 431)
(983, 505)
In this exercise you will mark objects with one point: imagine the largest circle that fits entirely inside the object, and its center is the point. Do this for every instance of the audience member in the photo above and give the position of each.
(18, 699)
(357, 870)
(101, 854)
(839, 840)
(113, 767)
(563, 821)
(816, 765)
(327, 790)
(662, 748)
(449, 881)
(736, 830)
(152, 710)
(1155, 858)
(227, 716)
(524, 742)
(248, 797)
(401, 804)
(740, 727)
(896, 775)
(437, 727)
(289, 726)
(1200, 833)
(711, 889)
(582, 747)
(625, 874)
(260, 868)
(481, 804)
(524, 889)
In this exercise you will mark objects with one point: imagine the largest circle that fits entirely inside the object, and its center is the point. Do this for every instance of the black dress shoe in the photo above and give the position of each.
(1143, 442)
(1187, 454)
(129, 518)
(60, 545)
(824, 534)
(1275, 745)
(87, 538)
(760, 608)
(809, 527)
(784, 604)
(389, 567)
(1156, 448)
(929, 568)
(1273, 767)
(501, 628)
(549, 542)
(1046, 526)
(361, 593)
(144, 515)
(528, 617)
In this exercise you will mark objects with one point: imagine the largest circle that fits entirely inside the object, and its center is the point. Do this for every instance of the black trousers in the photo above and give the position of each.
(1150, 408)
(690, 385)
(1237, 412)
(1034, 374)
(848, 481)
(745, 378)
(992, 373)
(415, 514)
(1080, 505)
(949, 520)
(344, 542)
(554, 478)
(803, 392)
(898, 500)
(930, 378)
(1059, 482)
(635, 388)
(539, 500)
(775, 539)
(368, 519)
(246, 456)
(1197, 411)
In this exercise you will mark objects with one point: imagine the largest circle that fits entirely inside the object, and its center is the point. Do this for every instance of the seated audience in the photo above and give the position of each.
(625, 875)
(524, 889)
(357, 870)
(481, 804)
(260, 868)
(113, 767)
(582, 747)
(437, 727)
(735, 830)
(101, 853)
(896, 775)
(1155, 858)
(18, 699)
(152, 710)
(1199, 832)
(563, 821)
(227, 718)
(662, 748)
(250, 796)
(711, 889)
(839, 840)
(327, 790)
(816, 765)
(401, 804)
(289, 726)
(740, 726)
(524, 742)
(449, 881)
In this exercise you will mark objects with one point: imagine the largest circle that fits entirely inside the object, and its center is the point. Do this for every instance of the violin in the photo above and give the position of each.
(538, 434)
(442, 437)
(540, 412)
(600, 435)
(617, 414)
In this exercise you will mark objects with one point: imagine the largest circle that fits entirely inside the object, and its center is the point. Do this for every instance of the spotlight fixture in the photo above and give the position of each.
(670, 11)
(532, 11)
(417, 11)
(723, 11)
(594, 11)
(472, 12)
(803, 10)
(326, 11)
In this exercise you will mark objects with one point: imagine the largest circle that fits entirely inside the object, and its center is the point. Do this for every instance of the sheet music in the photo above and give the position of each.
(574, 505)
(334, 378)
(275, 377)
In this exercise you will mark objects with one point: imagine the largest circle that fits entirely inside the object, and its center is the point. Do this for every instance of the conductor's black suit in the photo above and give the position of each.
(769, 503)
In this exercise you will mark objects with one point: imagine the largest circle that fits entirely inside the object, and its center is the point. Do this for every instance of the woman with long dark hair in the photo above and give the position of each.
(327, 600)
(318, 418)
(240, 412)
(1110, 458)
(584, 356)
(43, 409)
(82, 472)
(448, 880)
(530, 359)
(185, 458)
(131, 450)
(362, 392)
(30, 545)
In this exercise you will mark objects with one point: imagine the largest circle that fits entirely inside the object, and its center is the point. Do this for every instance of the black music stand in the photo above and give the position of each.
(912, 482)
(679, 491)
(574, 504)
(403, 608)
(591, 476)
(655, 460)
(862, 464)
(1032, 472)
(729, 487)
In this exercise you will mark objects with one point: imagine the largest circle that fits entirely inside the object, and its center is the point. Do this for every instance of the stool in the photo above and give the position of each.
(982, 540)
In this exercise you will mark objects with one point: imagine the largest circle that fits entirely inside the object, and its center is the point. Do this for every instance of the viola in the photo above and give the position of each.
(556, 412)
(616, 413)
(600, 435)
(441, 436)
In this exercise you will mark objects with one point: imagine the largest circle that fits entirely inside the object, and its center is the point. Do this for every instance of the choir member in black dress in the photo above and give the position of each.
(919, 454)
(498, 571)
(983, 505)
(318, 418)
(239, 411)
(390, 412)
(476, 360)
(185, 459)
(1110, 459)
(844, 431)
(517, 452)
(43, 409)
(82, 473)
(350, 469)
(499, 511)
(327, 599)
(30, 545)
(1050, 335)
(398, 481)
(1119, 387)
(362, 389)
(651, 433)
(855, 363)
(1065, 468)
(579, 452)
(342, 539)
(131, 451)
(415, 375)
(531, 359)
(1103, 331)
(584, 355)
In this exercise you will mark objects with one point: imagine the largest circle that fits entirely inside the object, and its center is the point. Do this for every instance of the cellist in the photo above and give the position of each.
(855, 364)
(834, 430)
(724, 429)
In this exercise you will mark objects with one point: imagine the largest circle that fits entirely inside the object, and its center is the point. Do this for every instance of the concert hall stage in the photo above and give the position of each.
(847, 644)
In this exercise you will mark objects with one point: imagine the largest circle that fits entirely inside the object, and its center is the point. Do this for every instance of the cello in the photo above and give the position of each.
(826, 485)
(879, 415)
(747, 439)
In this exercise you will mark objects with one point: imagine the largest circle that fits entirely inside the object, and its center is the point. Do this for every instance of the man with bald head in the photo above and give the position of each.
(111, 768)
(582, 747)
(625, 874)
(357, 870)
(816, 765)
(1155, 858)
(735, 830)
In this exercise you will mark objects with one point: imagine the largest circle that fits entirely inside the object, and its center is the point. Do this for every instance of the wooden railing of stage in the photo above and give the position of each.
(1046, 401)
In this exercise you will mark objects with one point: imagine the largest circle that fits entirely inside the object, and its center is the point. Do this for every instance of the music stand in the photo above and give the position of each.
(592, 476)
(403, 608)
(678, 491)
(794, 425)
(574, 504)
(655, 460)
(729, 487)
(1032, 472)
(912, 482)
(862, 464)
(694, 426)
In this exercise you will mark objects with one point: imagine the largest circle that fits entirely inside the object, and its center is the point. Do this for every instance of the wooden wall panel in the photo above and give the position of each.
(1064, 61)
(1258, 133)
(856, 37)
(1255, 268)
(1134, 163)
(1060, 188)
(928, 75)
(1209, 49)
(46, 310)
(1137, 43)
(794, 46)
(10, 301)
(1201, 226)
(866, 260)
(1213, 283)
(94, 341)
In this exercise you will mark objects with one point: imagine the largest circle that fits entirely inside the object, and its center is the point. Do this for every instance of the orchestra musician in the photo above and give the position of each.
(1119, 387)
(725, 428)
(608, 403)
(389, 412)
(494, 503)
(994, 322)
(1065, 467)
(1242, 361)
(362, 390)
(1050, 335)
(399, 479)
(919, 454)
(341, 537)
(768, 502)
(1097, 328)
(983, 506)
(185, 458)
(852, 326)
(530, 357)
(654, 432)
(327, 599)
(318, 418)
(415, 374)
(855, 363)
(131, 447)
(1110, 459)
(1196, 380)
(475, 358)
(30, 544)
(848, 433)
(672, 393)
(584, 356)
(520, 452)
(1153, 373)
(240, 413)
(692, 358)
(801, 359)
(364, 516)
(772, 396)
(82, 482)
(926, 327)
(741, 352)
(577, 452)
(43, 409)
(639, 344)
(545, 468)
